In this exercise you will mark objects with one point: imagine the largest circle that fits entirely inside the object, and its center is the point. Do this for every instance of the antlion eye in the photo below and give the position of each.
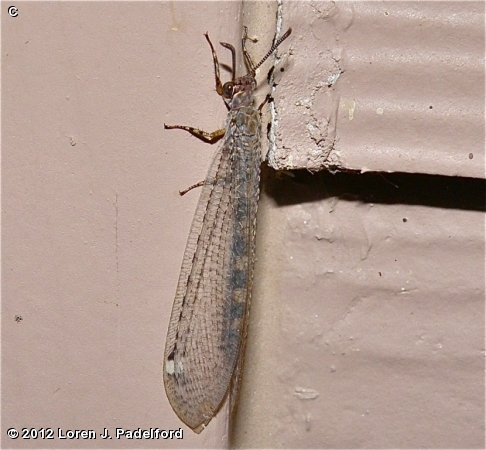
(228, 89)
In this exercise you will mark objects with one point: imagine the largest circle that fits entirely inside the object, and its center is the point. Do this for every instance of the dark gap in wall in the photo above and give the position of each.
(300, 186)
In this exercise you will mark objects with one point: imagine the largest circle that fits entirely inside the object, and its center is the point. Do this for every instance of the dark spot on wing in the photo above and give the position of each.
(237, 279)
(241, 210)
(236, 310)
(239, 246)
(230, 334)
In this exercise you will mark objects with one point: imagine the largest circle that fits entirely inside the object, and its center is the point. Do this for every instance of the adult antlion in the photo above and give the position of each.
(205, 345)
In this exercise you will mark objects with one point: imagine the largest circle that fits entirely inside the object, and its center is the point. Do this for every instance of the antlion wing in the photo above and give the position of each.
(207, 329)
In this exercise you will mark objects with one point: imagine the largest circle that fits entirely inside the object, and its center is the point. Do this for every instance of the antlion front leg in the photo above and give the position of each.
(210, 138)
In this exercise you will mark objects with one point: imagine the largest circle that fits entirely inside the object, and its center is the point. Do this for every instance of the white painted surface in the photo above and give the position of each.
(383, 86)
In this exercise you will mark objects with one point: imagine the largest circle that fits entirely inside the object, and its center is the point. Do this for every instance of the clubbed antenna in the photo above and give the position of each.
(274, 46)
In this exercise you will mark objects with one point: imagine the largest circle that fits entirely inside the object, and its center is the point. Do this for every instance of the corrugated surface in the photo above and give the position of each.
(367, 325)
(383, 86)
